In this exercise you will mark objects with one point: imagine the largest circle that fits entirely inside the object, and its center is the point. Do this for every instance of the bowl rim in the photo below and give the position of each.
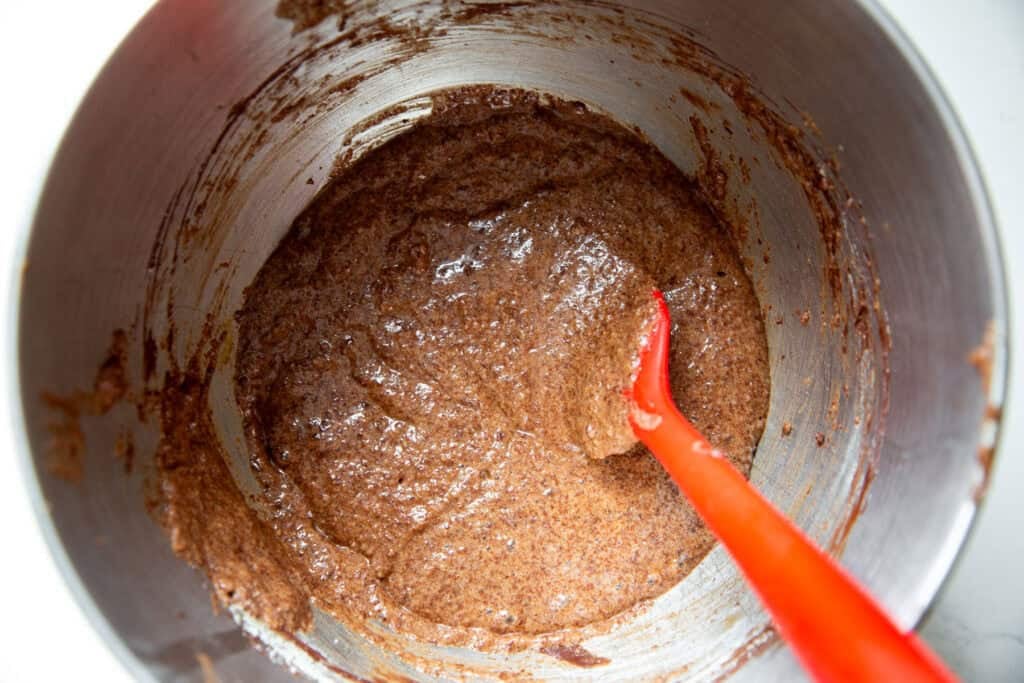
(951, 550)
(945, 560)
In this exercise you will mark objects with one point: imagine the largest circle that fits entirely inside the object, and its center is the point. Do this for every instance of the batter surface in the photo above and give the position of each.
(430, 368)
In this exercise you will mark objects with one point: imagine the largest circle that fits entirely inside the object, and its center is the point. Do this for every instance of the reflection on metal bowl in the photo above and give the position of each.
(867, 236)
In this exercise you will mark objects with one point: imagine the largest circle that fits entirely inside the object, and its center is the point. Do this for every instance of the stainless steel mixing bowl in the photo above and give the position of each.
(200, 136)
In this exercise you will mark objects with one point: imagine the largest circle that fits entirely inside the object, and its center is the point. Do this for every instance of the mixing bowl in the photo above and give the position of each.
(811, 125)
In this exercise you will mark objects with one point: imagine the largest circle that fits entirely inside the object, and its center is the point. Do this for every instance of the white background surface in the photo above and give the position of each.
(976, 49)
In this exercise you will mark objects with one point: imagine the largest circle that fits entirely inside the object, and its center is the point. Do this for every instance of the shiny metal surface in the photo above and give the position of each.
(159, 108)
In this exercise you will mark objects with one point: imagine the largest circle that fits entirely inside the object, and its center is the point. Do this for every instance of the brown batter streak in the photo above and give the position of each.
(67, 440)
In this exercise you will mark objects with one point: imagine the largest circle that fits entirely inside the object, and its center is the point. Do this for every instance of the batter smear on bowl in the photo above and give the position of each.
(430, 367)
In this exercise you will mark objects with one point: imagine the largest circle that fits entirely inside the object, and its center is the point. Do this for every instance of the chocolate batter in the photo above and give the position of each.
(430, 368)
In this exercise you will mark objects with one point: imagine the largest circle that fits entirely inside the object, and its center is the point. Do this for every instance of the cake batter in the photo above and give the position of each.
(432, 364)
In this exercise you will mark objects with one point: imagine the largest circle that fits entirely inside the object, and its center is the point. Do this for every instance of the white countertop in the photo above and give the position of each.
(975, 48)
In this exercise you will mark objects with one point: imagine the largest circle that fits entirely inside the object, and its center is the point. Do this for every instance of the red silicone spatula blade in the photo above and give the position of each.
(837, 631)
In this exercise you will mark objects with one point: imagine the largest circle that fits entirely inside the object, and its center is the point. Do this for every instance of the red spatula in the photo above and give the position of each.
(835, 628)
